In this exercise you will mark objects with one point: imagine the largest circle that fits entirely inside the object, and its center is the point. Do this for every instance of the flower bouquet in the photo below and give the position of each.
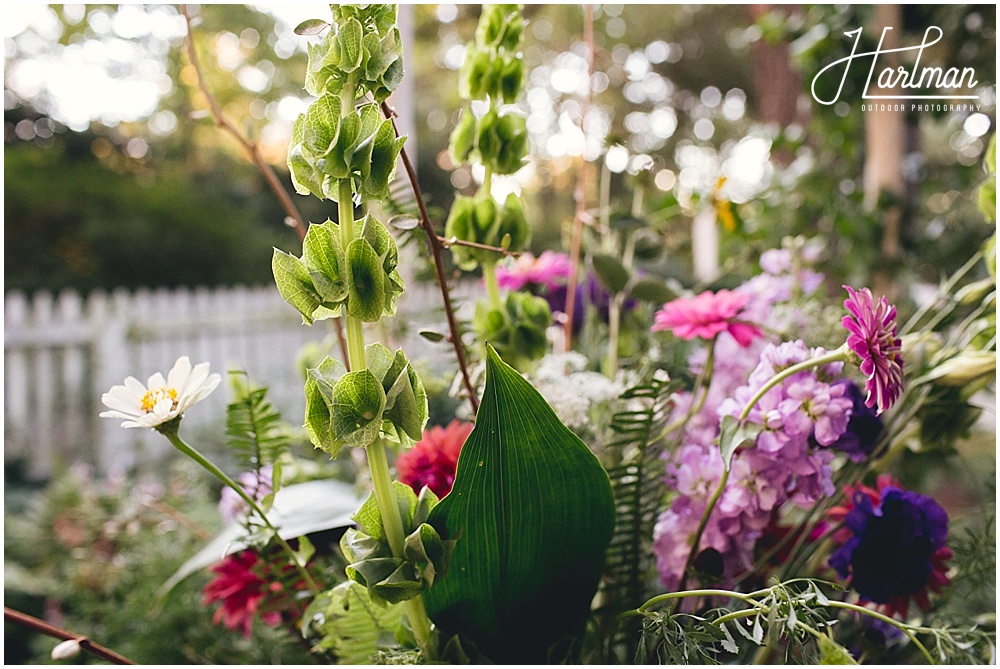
(732, 498)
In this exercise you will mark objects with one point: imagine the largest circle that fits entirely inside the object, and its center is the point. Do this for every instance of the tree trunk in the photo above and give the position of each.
(885, 142)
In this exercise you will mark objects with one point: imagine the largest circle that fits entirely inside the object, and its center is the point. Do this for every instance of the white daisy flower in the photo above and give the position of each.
(160, 401)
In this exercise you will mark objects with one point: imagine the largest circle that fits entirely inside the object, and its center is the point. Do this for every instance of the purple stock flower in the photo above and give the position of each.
(873, 338)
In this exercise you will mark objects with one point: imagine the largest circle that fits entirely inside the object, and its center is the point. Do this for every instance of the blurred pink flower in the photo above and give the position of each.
(432, 461)
(707, 315)
(873, 338)
(549, 269)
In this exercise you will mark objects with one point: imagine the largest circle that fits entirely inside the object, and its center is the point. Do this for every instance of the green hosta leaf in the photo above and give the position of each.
(533, 513)
(319, 399)
(366, 298)
(294, 283)
(610, 270)
(734, 435)
(323, 255)
(356, 410)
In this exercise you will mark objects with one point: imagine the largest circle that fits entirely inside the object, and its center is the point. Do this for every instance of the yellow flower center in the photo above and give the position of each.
(154, 395)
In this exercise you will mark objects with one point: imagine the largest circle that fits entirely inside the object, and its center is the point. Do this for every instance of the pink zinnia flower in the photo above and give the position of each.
(873, 338)
(549, 269)
(707, 315)
(432, 461)
(241, 589)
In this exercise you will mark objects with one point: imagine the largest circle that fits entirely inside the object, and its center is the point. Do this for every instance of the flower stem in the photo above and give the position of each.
(355, 332)
(699, 393)
(392, 523)
(170, 432)
(839, 355)
(492, 286)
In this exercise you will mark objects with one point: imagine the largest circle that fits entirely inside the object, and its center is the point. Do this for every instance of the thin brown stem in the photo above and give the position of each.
(581, 185)
(439, 271)
(447, 242)
(253, 150)
(48, 629)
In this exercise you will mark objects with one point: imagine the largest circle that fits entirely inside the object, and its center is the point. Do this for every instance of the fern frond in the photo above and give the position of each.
(636, 480)
(254, 427)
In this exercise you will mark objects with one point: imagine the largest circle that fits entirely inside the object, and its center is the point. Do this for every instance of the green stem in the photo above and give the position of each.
(696, 539)
(355, 330)
(392, 523)
(487, 186)
(492, 286)
(886, 619)
(170, 432)
(840, 355)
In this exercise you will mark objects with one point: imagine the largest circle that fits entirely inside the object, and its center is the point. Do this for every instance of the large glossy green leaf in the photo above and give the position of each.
(533, 512)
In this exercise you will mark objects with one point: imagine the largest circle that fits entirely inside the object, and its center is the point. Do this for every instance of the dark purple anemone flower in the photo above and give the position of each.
(894, 545)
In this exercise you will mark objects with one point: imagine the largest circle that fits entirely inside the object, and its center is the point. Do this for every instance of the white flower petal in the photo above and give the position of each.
(132, 423)
(133, 385)
(163, 407)
(116, 402)
(197, 377)
(119, 414)
(156, 381)
(179, 374)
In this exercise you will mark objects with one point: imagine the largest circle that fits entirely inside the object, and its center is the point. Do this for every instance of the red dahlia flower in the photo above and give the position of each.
(432, 461)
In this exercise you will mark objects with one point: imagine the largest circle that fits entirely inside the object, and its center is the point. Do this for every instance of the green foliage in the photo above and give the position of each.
(636, 481)
(988, 191)
(95, 553)
(255, 430)
(390, 579)
(326, 277)
(349, 626)
(517, 331)
(479, 220)
(363, 45)
(354, 408)
(533, 512)
(72, 220)
(329, 144)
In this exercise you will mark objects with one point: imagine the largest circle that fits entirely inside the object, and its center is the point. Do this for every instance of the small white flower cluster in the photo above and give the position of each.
(573, 392)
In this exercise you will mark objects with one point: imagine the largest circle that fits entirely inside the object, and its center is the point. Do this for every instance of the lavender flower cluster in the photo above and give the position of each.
(803, 419)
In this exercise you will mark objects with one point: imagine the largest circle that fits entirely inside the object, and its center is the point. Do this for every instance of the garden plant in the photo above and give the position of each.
(637, 470)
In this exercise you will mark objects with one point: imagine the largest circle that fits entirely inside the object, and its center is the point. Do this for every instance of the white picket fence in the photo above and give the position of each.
(61, 353)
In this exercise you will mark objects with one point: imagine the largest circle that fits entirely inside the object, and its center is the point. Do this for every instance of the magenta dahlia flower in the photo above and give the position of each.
(241, 588)
(873, 338)
(893, 545)
(432, 460)
(707, 315)
(550, 269)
